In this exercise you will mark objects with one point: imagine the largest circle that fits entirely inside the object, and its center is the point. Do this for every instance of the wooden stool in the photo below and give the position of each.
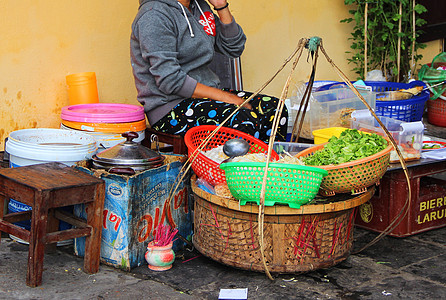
(46, 187)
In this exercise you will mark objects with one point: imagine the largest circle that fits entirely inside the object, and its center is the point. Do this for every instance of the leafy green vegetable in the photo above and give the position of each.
(433, 146)
(351, 145)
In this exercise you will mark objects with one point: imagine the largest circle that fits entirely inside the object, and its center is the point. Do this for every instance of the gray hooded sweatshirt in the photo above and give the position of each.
(171, 48)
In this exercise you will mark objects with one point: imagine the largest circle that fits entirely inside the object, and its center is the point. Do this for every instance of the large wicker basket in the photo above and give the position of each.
(295, 240)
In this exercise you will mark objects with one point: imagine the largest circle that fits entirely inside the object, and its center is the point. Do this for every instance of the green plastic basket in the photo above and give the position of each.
(290, 184)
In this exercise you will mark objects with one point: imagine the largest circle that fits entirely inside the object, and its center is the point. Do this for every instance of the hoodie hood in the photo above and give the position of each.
(194, 6)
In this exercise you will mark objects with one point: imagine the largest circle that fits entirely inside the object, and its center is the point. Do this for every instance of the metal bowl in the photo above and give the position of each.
(393, 96)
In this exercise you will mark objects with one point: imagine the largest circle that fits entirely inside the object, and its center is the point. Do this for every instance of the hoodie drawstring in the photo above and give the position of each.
(187, 19)
(204, 17)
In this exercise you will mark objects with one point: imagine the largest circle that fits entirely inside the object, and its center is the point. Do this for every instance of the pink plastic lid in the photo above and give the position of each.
(103, 113)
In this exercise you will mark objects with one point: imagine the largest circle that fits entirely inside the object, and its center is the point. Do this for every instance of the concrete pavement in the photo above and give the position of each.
(393, 268)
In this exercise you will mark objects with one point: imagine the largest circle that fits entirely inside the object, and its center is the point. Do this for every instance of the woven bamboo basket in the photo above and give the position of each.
(295, 240)
(352, 177)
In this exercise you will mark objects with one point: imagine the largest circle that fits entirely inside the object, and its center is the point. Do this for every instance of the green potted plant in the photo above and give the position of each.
(384, 37)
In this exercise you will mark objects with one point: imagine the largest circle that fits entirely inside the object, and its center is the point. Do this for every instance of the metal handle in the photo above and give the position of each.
(130, 135)
(154, 138)
(122, 171)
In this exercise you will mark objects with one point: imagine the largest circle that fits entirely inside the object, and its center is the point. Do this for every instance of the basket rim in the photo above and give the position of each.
(228, 165)
(279, 210)
(422, 97)
(347, 164)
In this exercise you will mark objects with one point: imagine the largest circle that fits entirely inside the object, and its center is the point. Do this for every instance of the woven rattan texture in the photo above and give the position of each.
(292, 243)
(352, 177)
(356, 179)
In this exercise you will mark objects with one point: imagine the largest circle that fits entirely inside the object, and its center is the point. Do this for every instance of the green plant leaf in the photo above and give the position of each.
(382, 32)
(389, 25)
(396, 17)
(419, 9)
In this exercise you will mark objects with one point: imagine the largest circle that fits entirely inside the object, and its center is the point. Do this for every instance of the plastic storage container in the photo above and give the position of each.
(293, 103)
(82, 88)
(107, 127)
(410, 110)
(408, 135)
(40, 145)
(282, 148)
(105, 121)
(103, 113)
(333, 108)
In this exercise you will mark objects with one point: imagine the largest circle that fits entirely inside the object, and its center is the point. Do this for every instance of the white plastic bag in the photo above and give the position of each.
(375, 75)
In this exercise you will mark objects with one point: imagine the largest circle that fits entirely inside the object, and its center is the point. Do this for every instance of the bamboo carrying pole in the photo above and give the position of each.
(366, 10)
(398, 58)
(412, 61)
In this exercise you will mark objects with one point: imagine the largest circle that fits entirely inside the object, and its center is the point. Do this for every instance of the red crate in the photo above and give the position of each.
(427, 206)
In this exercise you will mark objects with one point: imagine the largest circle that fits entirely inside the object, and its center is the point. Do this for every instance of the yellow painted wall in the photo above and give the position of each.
(43, 41)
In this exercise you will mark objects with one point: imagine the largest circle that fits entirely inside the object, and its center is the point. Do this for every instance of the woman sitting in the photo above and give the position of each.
(172, 44)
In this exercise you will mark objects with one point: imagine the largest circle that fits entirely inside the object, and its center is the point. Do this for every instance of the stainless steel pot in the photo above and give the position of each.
(127, 157)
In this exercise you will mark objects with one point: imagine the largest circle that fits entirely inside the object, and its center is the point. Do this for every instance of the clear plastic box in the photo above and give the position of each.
(408, 135)
(333, 108)
(291, 148)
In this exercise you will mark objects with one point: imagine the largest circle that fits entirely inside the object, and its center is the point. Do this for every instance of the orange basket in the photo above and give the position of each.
(354, 176)
(205, 167)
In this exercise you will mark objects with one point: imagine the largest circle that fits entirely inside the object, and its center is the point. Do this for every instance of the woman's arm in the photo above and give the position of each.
(230, 39)
(204, 91)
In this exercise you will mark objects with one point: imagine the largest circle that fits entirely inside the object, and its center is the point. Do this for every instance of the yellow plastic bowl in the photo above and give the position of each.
(323, 135)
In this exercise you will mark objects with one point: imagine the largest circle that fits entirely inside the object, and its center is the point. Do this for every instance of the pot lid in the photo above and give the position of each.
(129, 153)
(135, 167)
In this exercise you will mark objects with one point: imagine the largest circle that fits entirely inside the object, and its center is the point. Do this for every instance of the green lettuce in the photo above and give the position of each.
(351, 145)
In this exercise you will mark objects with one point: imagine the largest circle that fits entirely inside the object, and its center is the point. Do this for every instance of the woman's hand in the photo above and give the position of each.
(217, 3)
(234, 99)
(224, 14)
(204, 91)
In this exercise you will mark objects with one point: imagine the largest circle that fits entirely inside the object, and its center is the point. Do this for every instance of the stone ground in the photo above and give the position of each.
(393, 268)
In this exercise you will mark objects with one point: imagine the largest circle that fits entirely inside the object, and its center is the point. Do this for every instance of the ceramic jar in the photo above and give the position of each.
(159, 258)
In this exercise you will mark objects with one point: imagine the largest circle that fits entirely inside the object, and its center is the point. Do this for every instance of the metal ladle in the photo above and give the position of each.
(235, 147)
(434, 85)
(403, 94)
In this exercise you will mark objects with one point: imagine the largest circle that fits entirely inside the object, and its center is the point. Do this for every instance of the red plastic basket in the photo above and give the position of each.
(205, 167)
(436, 112)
